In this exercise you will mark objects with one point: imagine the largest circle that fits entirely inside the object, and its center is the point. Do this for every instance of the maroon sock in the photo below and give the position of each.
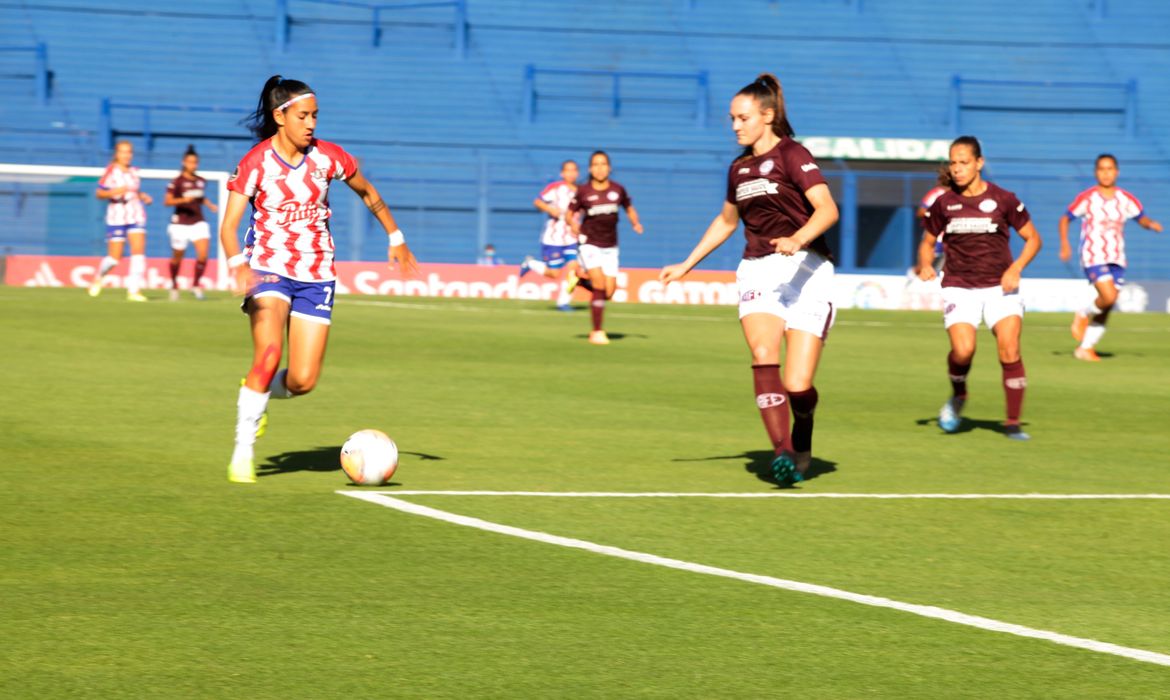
(597, 308)
(200, 266)
(958, 375)
(175, 273)
(1014, 383)
(773, 404)
(804, 403)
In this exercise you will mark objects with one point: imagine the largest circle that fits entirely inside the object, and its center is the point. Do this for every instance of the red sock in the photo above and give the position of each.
(804, 403)
(175, 273)
(773, 404)
(200, 266)
(958, 375)
(1014, 383)
(597, 308)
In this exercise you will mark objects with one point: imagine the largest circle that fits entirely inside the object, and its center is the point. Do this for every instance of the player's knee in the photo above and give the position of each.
(300, 383)
(765, 355)
(1009, 352)
(1108, 298)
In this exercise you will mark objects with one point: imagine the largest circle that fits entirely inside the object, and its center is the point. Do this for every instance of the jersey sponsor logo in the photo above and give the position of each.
(613, 196)
(743, 171)
(294, 211)
(808, 167)
(592, 198)
(750, 295)
(755, 188)
(602, 209)
(954, 207)
(323, 307)
(766, 167)
(1021, 207)
(769, 400)
(972, 224)
(987, 206)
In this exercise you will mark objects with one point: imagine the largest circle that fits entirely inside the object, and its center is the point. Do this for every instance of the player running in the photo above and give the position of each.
(786, 276)
(979, 280)
(287, 274)
(594, 220)
(558, 243)
(186, 194)
(1103, 210)
(120, 186)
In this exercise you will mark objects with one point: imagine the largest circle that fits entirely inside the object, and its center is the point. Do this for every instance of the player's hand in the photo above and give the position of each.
(146, 199)
(787, 245)
(1065, 252)
(1156, 226)
(401, 255)
(555, 212)
(243, 279)
(638, 228)
(926, 273)
(670, 273)
(1010, 280)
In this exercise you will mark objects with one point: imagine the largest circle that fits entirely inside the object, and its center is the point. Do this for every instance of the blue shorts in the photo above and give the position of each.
(557, 256)
(1096, 272)
(312, 301)
(118, 233)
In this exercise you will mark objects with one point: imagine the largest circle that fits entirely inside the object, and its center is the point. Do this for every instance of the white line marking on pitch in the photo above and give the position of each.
(789, 494)
(930, 611)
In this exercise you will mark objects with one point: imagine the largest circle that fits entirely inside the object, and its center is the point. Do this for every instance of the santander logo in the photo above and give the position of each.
(291, 212)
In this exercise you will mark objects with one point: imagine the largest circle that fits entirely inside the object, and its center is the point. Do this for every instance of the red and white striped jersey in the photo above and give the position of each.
(557, 231)
(290, 221)
(126, 210)
(1103, 223)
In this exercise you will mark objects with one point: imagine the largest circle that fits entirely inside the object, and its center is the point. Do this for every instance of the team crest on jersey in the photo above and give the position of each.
(987, 206)
(766, 167)
(321, 174)
(613, 196)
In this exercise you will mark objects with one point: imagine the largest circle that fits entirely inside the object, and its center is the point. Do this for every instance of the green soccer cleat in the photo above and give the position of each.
(242, 470)
(784, 470)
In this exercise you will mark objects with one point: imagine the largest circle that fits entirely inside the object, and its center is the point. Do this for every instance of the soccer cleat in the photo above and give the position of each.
(241, 470)
(173, 295)
(198, 292)
(784, 470)
(524, 268)
(1086, 354)
(135, 296)
(1079, 325)
(564, 307)
(571, 279)
(599, 338)
(95, 288)
(950, 415)
(803, 461)
(1014, 432)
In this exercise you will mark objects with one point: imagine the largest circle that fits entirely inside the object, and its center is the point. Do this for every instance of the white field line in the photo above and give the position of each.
(786, 494)
(929, 611)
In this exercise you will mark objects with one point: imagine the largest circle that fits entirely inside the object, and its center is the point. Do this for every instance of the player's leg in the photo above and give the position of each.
(565, 295)
(268, 314)
(1096, 315)
(962, 312)
(115, 241)
(176, 262)
(1015, 381)
(308, 332)
(763, 332)
(597, 305)
(136, 278)
(802, 356)
(202, 248)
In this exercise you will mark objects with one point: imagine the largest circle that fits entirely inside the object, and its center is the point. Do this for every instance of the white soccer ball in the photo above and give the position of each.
(369, 457)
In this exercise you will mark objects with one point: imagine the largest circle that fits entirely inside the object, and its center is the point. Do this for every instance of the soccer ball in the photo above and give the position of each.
(369, 457)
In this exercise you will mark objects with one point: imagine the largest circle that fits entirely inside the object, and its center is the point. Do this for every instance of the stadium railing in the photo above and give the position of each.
(700, 78)
(40, 71)
(109, 133)
(458, 22)
(1064, 95)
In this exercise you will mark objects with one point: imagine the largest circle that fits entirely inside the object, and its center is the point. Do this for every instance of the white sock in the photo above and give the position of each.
(106, 265)
(277, 389)
(564, 297)
(249, 408)
(1091, 310)
(1093, 335)
(537, 266)
(137, 270)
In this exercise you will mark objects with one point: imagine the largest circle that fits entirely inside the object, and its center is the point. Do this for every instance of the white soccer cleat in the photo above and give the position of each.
(136, 296)
(241, 470)
(599, 338)
(174, 295)
(198, 292)
(950, 415)
(95, 288)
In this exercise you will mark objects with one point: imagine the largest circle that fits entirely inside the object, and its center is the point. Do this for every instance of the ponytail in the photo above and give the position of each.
(276, 92)
(766, 91)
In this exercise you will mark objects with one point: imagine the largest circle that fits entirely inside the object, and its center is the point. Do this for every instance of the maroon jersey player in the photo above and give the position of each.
(594, 219)
(786, 276)
(980, 280)
(187, 193)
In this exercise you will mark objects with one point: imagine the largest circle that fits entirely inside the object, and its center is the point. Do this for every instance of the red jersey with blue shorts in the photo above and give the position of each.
(124, 214)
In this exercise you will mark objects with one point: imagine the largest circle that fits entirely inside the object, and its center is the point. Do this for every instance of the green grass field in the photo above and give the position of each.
(130, 567)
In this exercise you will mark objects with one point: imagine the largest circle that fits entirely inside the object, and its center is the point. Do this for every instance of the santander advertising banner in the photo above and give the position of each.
(634, 285)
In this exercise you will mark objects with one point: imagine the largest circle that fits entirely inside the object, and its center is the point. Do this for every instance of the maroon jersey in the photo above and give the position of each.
(768, 190)
(978, 236)
(187, 213)
(599, 223)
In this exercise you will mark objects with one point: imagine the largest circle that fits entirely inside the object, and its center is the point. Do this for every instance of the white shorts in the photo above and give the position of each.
(797, 288)
(593, 257)
(963, 305)
(182, 234)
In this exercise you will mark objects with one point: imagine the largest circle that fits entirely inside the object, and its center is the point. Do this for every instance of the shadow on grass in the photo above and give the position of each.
(759, 464)
(615, 336)
(970, 424)
(1101, 354)
(318, 459)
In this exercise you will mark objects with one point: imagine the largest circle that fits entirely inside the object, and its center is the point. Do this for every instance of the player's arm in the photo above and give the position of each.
(823, 217)
(229, 242)
(170, 200)
(1062, 228)
(211, 205)
(547, 208)
(1148, 223)
(398, 250)
(634, 222)
(719, 231)
(1011, 277)
(110, 192)
(573, 218)
(926, 256)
